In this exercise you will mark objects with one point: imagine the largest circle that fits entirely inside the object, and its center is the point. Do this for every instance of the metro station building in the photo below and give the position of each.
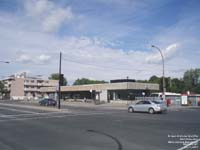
(125, 89)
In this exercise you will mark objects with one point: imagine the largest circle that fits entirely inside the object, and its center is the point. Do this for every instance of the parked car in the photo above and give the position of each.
(48, 102)
(148, 106)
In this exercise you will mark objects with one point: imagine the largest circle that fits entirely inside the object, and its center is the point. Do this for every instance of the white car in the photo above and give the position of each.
(147, 106)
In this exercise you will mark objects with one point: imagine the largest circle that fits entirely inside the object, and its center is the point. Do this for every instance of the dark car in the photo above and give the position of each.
(48, 102)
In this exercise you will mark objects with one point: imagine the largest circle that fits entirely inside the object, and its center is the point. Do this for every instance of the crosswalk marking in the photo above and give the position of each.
(17, 110)
(46, 116)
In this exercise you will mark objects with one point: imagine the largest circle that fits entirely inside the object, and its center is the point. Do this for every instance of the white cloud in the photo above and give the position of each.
(48, 15)
(168, 53)
(170, 50)
(24, 58)
(82, 56)
(43, 58)
(22, 71)
(36, 8)
(32, 58)
(85, 56)
(56, 18)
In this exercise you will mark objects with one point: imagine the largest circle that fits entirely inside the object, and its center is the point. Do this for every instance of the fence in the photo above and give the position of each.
(174, 100)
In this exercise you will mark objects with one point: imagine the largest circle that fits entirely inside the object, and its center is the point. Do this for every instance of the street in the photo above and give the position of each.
(75, 128)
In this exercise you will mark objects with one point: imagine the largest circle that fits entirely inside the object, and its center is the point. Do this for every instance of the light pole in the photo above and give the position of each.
(163, 62)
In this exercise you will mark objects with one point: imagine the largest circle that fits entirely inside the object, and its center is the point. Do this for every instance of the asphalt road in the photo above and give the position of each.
(79, 128)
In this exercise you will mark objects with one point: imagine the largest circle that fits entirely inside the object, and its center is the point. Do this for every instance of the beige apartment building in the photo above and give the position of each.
(23, 87)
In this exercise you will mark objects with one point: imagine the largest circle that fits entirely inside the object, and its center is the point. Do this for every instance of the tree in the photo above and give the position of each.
(177, 85)
(83, 81)
(154, 79)
(55, 76)
(191, 80)
(1, 87)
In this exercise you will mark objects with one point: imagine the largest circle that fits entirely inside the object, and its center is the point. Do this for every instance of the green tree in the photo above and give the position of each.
(159, 80)
(191, 80)
(1, 87)
(83, 81)
(154, 79)
(55, 76)
(177, 85)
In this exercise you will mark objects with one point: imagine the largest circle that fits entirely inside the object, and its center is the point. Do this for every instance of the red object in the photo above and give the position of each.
(168, 102)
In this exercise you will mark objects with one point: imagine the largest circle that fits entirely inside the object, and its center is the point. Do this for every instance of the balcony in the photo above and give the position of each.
(32, 89)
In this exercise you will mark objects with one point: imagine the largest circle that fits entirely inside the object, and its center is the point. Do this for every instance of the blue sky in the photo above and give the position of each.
(99, 39)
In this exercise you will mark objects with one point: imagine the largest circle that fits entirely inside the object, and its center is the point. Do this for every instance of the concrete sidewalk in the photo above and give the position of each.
(92, 105)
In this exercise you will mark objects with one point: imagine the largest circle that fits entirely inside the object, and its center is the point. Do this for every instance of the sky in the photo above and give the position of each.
(99, 39)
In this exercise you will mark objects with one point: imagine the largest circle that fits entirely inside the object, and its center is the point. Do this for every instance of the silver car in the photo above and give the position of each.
(148, 106)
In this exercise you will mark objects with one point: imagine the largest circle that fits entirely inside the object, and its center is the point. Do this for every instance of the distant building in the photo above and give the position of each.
(21, 86)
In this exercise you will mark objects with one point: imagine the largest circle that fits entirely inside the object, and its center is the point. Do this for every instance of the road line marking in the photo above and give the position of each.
(49, 113)
(46, 117)
(12, 109)
(186, 146)
(31, 107)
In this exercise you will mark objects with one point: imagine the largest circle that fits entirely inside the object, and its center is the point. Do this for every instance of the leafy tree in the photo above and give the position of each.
(1, 87)
(83, 81)
(158, 80)
(142, 81)
(154, 79)
(191, 80)
(177, 85)
(55, 76)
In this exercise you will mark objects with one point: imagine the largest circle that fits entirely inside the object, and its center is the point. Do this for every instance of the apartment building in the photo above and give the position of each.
(24, 87)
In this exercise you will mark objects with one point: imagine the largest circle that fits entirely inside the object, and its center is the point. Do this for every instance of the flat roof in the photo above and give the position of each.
(105, 86)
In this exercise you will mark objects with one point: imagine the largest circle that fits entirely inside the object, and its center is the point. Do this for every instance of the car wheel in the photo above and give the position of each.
(151, 110)
(130, 110)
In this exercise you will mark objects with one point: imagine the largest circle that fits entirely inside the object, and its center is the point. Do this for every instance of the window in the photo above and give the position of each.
(146, 102)
(140, 102)
(156, 102)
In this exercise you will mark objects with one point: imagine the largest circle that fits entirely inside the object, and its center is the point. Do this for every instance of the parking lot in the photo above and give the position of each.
(27, 128)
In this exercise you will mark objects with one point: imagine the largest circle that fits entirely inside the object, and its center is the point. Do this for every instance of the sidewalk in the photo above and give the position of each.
(182, 107)
(92, 105)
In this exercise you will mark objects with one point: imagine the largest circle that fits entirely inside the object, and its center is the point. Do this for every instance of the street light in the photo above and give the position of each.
(164, 89)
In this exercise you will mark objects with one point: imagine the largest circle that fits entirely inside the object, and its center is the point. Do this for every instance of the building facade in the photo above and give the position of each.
(104, 92)
(23, 87)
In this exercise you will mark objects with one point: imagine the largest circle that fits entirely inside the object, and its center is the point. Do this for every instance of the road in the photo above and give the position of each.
(75, 128)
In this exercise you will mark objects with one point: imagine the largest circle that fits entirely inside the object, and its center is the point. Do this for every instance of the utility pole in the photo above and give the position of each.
(127, 88)
(59, 84)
